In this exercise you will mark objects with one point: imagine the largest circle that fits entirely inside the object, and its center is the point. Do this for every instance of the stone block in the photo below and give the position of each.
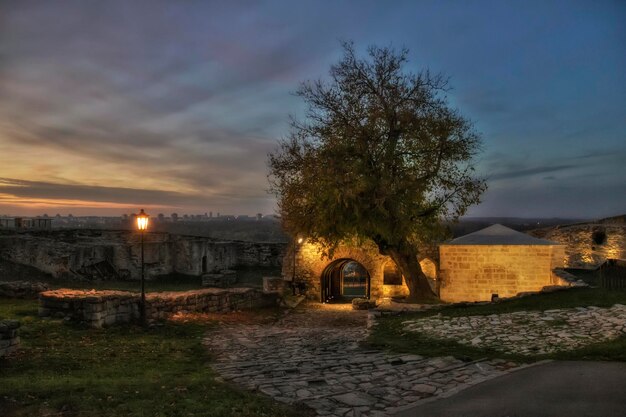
(363, 304)
(273, 285)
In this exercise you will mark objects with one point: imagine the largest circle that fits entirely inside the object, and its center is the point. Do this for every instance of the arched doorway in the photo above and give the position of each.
(343, 280)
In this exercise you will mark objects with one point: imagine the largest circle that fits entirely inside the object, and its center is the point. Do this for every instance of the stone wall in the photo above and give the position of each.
(310, 266)
(104, 308)
(9, 336)
(588, 245)
(106, 254)
(22, 289)
(476, 272)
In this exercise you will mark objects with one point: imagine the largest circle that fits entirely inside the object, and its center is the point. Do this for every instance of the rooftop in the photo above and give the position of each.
(499, 235)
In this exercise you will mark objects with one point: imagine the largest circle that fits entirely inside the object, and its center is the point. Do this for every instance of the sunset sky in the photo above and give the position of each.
(108, 106)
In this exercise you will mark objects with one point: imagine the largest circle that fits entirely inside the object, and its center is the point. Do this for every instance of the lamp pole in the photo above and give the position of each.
(142, 225)
(296, 243)
(143, 286)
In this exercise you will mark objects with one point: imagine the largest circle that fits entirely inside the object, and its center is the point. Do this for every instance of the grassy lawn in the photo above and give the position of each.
(65, 370)
(389, 333)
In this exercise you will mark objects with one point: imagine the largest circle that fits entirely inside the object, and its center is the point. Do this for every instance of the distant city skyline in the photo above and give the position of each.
(109, 107)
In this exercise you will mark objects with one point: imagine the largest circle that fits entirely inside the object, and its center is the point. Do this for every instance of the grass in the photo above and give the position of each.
(65, 370)
(389, 332)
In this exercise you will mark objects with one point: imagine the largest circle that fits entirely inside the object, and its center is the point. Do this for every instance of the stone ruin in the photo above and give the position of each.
(22, 289)
(9, 336)
(110, 254)
(589, 245)
(105, 308)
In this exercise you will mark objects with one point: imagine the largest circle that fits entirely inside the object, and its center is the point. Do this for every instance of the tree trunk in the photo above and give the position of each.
(405, 257)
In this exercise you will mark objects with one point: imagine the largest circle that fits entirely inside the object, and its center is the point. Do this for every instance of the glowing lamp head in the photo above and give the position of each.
(142, 220)
(300, 240)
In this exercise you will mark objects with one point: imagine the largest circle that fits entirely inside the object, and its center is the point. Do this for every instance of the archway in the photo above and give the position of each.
(344, 279)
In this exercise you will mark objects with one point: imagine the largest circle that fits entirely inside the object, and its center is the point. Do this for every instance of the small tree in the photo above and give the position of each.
(381, 156)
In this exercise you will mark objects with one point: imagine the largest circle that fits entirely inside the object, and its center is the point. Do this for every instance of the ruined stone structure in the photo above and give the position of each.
(105, 254)
(589, 245)
(497, 262)
(104, 308)
(9, 336)
(22, 289)
(353, 271)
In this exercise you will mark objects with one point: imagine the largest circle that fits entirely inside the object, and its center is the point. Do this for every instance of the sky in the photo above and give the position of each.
(108, 107)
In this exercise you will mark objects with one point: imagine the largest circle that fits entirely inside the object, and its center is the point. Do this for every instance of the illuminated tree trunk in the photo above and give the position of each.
(405, 257)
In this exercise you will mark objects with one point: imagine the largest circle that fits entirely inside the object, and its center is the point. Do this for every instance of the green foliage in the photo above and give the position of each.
(123, 370)
(381, 155)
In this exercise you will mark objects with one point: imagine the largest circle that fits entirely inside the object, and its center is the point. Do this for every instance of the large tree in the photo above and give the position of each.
(380, 155)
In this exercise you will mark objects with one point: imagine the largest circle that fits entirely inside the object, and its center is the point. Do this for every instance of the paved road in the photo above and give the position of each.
(555, 389)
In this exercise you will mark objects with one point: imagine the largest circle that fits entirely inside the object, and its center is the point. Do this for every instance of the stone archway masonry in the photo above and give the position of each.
(310, 266)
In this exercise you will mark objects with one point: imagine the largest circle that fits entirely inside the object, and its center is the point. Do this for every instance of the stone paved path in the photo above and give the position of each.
(312, 356)
(528, 332)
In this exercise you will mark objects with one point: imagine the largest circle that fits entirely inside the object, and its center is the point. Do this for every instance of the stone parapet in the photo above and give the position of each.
(9, 336)
(105, 308)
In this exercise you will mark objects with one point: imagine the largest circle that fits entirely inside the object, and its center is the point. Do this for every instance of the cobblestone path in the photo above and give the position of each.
(312, 356)
(528, 332)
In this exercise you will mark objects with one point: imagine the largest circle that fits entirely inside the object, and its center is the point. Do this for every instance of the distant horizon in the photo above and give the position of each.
(253, 215)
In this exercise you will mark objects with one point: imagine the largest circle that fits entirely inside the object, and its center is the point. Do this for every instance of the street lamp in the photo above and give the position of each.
(142, 225)
(296, 242)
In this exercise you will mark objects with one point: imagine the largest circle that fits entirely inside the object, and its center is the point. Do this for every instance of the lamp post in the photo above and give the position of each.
(296, 242)
(142, 225)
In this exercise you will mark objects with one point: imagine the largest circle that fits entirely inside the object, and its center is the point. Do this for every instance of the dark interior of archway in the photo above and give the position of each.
(344, 280)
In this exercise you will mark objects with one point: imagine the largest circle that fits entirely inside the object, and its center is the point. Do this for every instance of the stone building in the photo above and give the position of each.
(493, 261)
(355, 270)
(497, 262)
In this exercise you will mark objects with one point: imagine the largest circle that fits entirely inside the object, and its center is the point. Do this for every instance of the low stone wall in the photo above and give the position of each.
(22, 289)
(9, 336)
(104, 308)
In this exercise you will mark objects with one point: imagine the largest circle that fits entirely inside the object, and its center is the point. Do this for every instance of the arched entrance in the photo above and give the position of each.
(343, 280)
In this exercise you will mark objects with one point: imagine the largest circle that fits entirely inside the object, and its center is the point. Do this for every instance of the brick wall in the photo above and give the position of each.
(475, 272)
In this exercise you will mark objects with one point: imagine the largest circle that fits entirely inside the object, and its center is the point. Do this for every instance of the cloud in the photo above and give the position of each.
(529, 172)
(183, 100)
(22, 189)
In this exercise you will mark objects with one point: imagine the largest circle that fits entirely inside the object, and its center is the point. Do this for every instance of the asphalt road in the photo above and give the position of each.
(555, 389)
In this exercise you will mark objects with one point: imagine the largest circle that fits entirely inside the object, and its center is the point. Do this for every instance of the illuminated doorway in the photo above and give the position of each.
(343, 280)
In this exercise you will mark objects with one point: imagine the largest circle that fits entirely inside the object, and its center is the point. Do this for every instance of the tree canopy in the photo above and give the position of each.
(380, 155)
